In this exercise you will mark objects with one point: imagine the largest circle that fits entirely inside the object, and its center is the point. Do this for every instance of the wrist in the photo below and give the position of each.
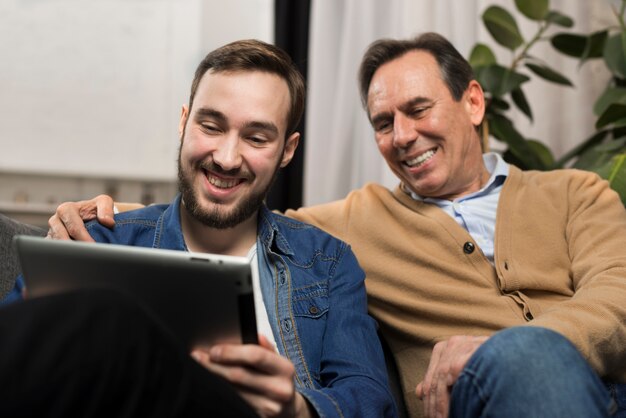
(303, 407)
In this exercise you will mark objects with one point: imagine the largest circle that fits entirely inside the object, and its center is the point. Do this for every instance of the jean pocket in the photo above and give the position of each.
(311, 301)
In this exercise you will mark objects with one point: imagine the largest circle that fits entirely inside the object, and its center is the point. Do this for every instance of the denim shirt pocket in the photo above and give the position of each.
(311, 301)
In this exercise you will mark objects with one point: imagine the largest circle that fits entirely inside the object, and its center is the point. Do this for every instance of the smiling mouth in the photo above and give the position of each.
(421, 159)
(222, 183)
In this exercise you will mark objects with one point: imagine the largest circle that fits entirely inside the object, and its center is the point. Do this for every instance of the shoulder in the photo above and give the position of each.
(129, 226)
(370, 195)
(568, 190)
(303, 241)
(297, 229)
(565, 180)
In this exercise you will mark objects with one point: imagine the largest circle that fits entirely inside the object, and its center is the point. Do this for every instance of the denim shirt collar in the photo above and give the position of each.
(269, 234)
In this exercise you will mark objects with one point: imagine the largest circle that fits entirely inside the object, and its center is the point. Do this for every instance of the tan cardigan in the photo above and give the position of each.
(560, 263)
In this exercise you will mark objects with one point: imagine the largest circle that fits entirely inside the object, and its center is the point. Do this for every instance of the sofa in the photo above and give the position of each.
(9, 262)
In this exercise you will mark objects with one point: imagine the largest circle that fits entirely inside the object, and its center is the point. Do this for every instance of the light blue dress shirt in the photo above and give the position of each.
(476, 212)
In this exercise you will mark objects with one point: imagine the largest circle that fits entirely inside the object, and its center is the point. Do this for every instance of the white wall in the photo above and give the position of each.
(93, 89)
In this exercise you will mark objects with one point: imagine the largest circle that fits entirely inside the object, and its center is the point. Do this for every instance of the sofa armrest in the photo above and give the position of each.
(9, 263)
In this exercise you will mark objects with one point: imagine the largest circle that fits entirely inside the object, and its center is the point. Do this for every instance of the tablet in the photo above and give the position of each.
(201, 298)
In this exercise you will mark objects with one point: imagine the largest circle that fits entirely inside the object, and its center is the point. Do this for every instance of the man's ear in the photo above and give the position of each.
(184, 114)
(475, 102)
(290, 148)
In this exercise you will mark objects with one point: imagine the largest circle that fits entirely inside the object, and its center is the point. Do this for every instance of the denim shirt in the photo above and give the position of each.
(315, 299)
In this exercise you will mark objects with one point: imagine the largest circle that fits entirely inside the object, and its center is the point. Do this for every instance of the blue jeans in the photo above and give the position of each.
(533, 372)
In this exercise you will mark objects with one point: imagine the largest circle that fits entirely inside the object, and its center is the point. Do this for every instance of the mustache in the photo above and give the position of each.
(217, 169)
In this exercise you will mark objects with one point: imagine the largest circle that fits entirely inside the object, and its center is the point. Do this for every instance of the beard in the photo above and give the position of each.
(216, 217)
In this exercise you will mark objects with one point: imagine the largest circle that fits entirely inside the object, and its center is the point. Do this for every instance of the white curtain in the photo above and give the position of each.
(341, 154)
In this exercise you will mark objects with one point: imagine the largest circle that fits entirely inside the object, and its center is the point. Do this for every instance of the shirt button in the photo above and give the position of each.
(456, 206)
(468, 247)
(313, 310)
(287, 325)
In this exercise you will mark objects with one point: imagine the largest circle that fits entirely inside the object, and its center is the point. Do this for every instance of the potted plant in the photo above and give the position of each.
(605, 151)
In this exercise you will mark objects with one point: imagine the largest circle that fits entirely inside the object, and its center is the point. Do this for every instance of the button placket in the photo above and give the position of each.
(287, 325)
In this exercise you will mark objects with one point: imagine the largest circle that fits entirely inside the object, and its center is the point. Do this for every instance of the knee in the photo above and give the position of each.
(530, 351)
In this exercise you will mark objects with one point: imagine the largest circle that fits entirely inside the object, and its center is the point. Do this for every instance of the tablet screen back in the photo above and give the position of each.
(201, 298)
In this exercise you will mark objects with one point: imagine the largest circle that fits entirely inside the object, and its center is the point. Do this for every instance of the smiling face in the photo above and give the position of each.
(428, 139)
(233, 143)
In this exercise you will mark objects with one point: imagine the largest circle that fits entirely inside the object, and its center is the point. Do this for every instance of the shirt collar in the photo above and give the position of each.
(497, 168)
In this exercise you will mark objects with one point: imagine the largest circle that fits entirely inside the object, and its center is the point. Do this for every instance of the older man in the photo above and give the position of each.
(501, 292)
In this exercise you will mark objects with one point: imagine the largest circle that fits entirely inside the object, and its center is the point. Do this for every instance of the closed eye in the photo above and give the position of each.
(257, 140)
(383, 127)
(210, 128)
(418, 111)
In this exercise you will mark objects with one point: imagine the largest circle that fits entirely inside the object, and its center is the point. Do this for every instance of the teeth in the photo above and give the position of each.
(222, 184)
(420, 159)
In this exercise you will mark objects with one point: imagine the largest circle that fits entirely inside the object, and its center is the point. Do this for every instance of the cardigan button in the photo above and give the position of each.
(468, 247)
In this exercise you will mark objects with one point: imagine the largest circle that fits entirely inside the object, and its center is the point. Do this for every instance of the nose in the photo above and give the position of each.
(404, 131)
(227, 154)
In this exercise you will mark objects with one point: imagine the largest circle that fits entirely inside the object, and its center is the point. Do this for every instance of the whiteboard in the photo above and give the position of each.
(95, 87)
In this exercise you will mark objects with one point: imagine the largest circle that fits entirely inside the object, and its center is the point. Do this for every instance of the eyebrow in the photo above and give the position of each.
(414, 102)
(264, 126)
(212, 113)
(403, 108)
(220, 117)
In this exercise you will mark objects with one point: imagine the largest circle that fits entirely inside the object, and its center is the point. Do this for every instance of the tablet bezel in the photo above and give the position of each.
(201, 298)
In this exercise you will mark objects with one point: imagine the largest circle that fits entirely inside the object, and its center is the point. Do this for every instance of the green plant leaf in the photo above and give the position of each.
(615, 172)
(549, 74)
(498, 104)
(526, 157)
(533, 9)
(499, 80)
(599, 155)
(481, 56)
(615, 113)
(559, 19)
(542, 151)
(502, 27)
(614, 55)
(581, 148)
(570, 44)
(611, 95)
(519, 98)
(595, 45)
(618, 132)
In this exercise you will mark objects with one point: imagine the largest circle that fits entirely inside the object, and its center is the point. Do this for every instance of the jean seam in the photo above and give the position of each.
(474, 380)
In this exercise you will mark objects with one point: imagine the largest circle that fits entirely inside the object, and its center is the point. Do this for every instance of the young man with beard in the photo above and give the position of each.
(236, 132)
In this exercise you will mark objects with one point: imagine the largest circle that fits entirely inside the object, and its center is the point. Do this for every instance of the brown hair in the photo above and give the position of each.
(456, 72)
(255, 55)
